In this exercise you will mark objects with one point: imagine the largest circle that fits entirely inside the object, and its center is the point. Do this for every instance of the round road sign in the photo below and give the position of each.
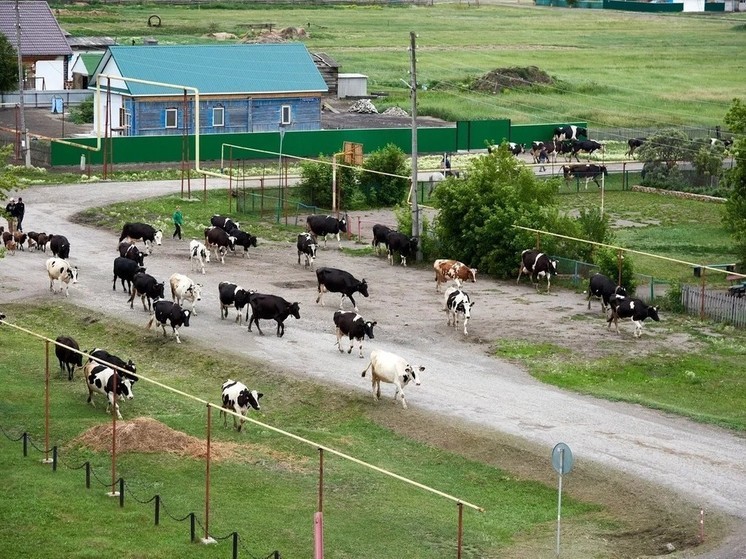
(562, 458)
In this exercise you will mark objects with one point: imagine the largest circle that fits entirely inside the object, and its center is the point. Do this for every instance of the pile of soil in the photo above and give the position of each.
(511, 78)
(275, 36)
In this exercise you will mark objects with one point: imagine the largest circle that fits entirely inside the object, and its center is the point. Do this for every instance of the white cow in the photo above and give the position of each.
(183, 288)
(198, 254)
(389, 367)
(457, 303)
(237, 398)
(59, 269)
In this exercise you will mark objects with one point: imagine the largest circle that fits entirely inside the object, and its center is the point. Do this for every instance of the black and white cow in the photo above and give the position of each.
(516, 149)
(380, 235)
(634, 309)
(168, 311)
(60, 246)
(537, 265)
(632, 145)
(457, 303)
(130, 250)
(68, 358)
(339, 281)
(198, 255)
(243, 239)
(184, 288)
(543, 152)
(351, 324)
(239, 399)
(142, 231)
(405, 246)
(59, 269)
(231, 294)
(104, 380)
(271, 307)
(569, 132)
(220, 241)
(323, 225)
(307, 246)
(128, 368)
(391, 368)
(223, 222)
(603, 287)
(586, 146)
(146, 287)
(587, 171)
(125, 269)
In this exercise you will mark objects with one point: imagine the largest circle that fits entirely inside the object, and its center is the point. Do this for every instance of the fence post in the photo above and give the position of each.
(157, 509)
(25, 443)
(702, 295)
(235, 545)
(619, 257)
(191, 526)
(121, 492)
(460, 531)
(87, 475)
(46, 402)
(54, 458)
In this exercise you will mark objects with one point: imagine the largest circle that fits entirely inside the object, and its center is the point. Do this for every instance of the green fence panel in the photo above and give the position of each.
(714, 6)
(472, 134)
(656, 7)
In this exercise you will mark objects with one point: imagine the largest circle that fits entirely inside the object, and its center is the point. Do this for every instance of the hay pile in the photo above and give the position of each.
(275, 36)
(511, 78)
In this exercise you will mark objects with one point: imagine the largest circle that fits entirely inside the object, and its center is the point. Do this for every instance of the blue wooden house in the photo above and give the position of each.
(242, 88)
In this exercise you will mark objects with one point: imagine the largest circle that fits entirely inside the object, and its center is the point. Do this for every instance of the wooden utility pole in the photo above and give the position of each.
(25, 147)
(413, 188)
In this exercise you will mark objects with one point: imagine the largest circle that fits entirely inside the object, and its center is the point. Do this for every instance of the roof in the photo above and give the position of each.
(90, 61)
(40, 33)
(90, 43)
(216, 69)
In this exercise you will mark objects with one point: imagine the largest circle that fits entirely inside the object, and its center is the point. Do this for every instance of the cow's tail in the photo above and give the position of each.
(366, 368)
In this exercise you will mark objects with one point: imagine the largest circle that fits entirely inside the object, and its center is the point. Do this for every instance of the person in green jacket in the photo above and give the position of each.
(178, 222)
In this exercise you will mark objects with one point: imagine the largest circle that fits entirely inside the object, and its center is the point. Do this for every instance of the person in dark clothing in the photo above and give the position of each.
(18, 212)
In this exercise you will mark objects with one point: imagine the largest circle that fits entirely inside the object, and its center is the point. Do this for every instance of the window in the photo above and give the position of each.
(122, 117)
(285, 115)
(171, 118)
(218, 116)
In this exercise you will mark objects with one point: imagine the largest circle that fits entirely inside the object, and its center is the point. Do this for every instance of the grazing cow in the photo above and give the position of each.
(104, 380)
(220, 241)
(237, 398)
(603, 287)
(587, 171)
(307, 246)
(243, 239)
(632, 145)
(60, 246)
(457, 303)
(634, 309)
(271, 307)
(351, 324)
(380, 234)
(184, 289)
(167, 311)
(323, 225)
(68, 358)
(538, 265)
(126, 368)
(59, 269)
(146, 286)
(452, 269)
(198, 254)
(587, 146)
(232, 294)
(138, 231)
(223, 222)
(569, 132)
(130, 250)
(389, 367)
(405, 246)
(339, 281)
(125, 269)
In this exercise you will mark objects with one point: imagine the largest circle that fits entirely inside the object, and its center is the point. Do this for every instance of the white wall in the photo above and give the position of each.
(116, 104)
(53, 72)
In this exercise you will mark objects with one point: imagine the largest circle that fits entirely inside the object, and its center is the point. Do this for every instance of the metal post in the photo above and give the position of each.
(25, 147)
(121, 492)
(559, 497)
(235, 545)
(191, 526)
(702, 295)
(460, 533)
(114, 441)
(87, 475)
(54, 458)
(413, 186)
(619, 267)
(207, 473)
(157, 509)
(25, 443)
(321, 480)
(46, 402)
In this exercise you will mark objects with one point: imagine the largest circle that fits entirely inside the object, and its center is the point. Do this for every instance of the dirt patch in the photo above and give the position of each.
(517, 77)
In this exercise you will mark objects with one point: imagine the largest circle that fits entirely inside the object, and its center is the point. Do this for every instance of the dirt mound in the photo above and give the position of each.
(277, 36)
(511, 78)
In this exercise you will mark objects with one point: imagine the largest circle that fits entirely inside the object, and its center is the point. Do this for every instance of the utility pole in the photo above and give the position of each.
(416, 230)
(25, 147)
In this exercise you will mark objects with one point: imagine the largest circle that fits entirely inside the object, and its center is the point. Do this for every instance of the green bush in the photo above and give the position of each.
(83, 113)
(428, 242)
(380, 188)
(608, 262)
(315, 185)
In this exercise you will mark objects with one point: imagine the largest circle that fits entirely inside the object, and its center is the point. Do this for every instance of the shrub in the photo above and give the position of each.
(83, 113)
(607, 261)
(315, 185)
(382, 190)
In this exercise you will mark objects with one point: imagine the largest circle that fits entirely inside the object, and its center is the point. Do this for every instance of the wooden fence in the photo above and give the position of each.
(715, 305)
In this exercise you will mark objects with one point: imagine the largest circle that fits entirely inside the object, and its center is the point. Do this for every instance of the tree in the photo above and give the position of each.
(8, 180)
(8, 66)
(385, 189)
(315, 185)
(668, 146)
(735, 178)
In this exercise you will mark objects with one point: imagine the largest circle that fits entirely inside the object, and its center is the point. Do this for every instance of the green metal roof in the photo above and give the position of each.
(90, 61)
(218, 69)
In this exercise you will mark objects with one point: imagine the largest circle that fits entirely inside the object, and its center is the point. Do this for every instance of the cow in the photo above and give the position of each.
(632, 145)
(198, 254)
(146, 286)
(126, 368)
(603, 287)
(543, 152)
(564, 147)
(457, 303)
(307, 246)
(323, 225)
(168, 311)
(42, 241)
(452, 269)
(391, 368)
(20, 239)
(224, 223)
(380, 235)
(237, 398)
(104, 380)
(634, 309)
(130, 250)
(232, 294)
(243, 239)
(351, 324)
(587, 146)
(538, 265)
(59, 269)
(339, 281)
(8, 238)
(184, 289)
(404, 245)
(69, 359)
(220, 241)
(516, 149)
(125, 269)
(33, 240)
(142, 231)
(585, 171)
(271, 307)
(60, 246)
(569, 132)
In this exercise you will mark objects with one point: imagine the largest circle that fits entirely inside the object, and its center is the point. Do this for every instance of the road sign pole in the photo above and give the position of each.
(562, 461)
(559, 498)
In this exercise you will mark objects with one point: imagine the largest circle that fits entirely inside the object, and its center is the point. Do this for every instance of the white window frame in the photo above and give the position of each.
(286, 114)
(175, 113)
(218, 111)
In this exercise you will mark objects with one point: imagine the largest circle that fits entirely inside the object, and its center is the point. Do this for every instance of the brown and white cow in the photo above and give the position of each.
(391, 368)
(452, 270)
(185, 289)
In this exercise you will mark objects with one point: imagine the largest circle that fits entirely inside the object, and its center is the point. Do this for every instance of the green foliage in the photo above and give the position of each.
(607, 261)
(667, 146)
(708, 158)
(315, 186)
(83, 113)
(8, 180)
(381, 190)
(8, 66)
(735, 179)
(428, 242)
(672, 300)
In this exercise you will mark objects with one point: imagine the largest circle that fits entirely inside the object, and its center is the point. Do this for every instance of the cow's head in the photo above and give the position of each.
(124, 387)
(130, 366)
(410, 373)
(72, 273)
(158, 237)
(343, 225)
(294, 310)
(249, 399)
(369, 328)
(231, 242)
(195, 290)
(158, 291)
(362, 287)
(653, 313)
(2, 315)
(620, 291)
(252, 240)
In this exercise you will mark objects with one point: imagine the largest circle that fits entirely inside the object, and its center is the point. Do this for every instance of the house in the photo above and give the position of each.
(82, 46)
(241, 87)
(44, 50)
(83, 67)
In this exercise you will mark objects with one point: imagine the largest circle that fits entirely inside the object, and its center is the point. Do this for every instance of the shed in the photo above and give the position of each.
(83, 69)
(352, 85)
(329, 69)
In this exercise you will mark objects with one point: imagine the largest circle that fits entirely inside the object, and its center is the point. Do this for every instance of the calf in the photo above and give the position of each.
(231, 294)
(59, 269)
(184, 289)
(167, 311)
(389, 367)
(323, 225)
(243, 239)
(60, 246)
(42, 241)
(457, 303)
(405, 246)
(271, 307)
(104, 380)
(602, 287)
(307, 246)
(220, 241)
(587, 146)
(237, 398)
(569, 132)
(353, 325)
(223, 222)
(125, 269)
(130, 250)
(138, 231)
(339, 281)
(198, 255)
(20, 239)
(538, 265)
(69, 359)
(380, 236)
(584, 171)
(146, 286)
(103, 357)
(632, 145)
(634, 309)
(452, 270)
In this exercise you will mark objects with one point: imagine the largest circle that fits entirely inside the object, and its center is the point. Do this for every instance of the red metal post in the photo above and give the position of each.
(321, 480)
(46, 401)
(114, 441)
(207, 472)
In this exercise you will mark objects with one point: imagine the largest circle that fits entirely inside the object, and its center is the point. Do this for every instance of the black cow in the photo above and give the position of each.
(380, 234)
(68, 358)
(42, 242)
(148, 234)
(633, 144)
(243, 239)
(130, 250)
(405, 246)
(339, 281)
(168, 311)
(564, 147)
(587, 146)
(125, 269)
(105, 358)
(634, 309)
(271, 307)
(146, 285)
(323, 225)
(587, 171)
(307, 246)
(60, 246)
(538, 265)
(220, 241)
(224, 223)
(569, 132)
(602, 287)
(232, 294)
(351, 324)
